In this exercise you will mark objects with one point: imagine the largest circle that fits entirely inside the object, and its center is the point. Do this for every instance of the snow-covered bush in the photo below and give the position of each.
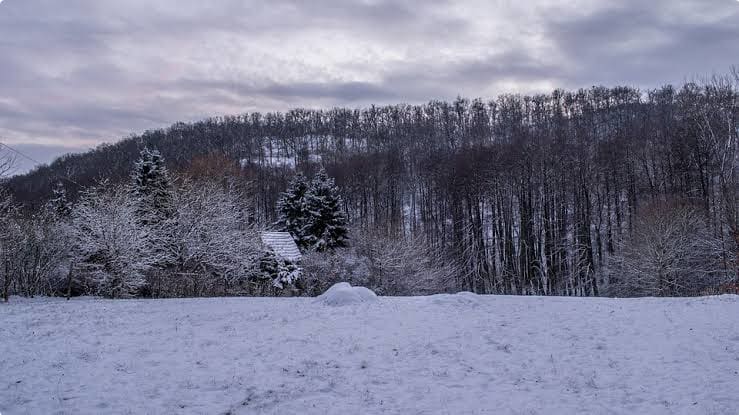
(10, 241)
(403, 266)
(215, 247)
(321, 270)
(110, 248)
(671, 252)
(281, 272)
(388, 266)
(42, 257)
(206, 246)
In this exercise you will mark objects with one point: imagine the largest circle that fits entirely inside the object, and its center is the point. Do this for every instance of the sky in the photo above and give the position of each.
(77, 73)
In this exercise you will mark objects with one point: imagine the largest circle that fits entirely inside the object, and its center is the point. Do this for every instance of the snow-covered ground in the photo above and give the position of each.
(448, 354)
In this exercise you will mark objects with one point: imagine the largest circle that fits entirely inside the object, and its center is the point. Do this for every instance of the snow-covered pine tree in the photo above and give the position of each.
(59, 204)
(152, 189)
(154, 201)
(325, 227)
(292, 214)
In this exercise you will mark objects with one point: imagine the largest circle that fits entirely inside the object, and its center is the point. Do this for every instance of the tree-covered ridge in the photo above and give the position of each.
(522, 194)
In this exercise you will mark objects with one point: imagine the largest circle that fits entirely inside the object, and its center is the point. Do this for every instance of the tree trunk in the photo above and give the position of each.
(69, 281)
(6, 283)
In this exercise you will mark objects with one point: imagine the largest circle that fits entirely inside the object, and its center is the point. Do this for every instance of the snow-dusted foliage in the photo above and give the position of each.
(325, 226)
(9, 240)
(152, 189)
(387, 265)
(323, 269)
(155, 206)
(110, 247)
(212, 236)
(42, 255)
(59, 205)
(291, 210)
(279, 271)
(33, 249)
(312, 213)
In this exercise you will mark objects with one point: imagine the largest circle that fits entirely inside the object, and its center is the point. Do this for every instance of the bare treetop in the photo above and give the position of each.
(7, 161)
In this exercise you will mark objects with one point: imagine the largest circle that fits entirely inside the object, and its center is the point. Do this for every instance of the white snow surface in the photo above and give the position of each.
(444, 354)
(342, 293)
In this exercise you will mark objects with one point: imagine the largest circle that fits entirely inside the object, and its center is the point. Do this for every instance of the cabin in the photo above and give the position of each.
(283, 267)
(283, 245)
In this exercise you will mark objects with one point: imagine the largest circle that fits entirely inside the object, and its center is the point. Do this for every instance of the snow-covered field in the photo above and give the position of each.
(447, 354)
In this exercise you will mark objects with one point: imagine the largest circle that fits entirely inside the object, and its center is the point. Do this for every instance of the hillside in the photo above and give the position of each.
(446, 354)
(541, 194)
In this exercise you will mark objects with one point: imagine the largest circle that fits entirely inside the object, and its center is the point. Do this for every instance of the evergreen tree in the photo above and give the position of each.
(59, 204)
(155, 210)
(280, 271)
(292, 212)
(325, 227)
(152, 189)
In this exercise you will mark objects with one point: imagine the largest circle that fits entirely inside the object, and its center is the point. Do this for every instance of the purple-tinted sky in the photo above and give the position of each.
(75, 73)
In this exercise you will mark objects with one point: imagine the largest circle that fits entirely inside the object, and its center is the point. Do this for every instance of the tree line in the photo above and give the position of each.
(600, 191)
(162, 235)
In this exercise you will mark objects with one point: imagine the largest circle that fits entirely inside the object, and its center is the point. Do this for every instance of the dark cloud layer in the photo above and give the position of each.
(75, 73)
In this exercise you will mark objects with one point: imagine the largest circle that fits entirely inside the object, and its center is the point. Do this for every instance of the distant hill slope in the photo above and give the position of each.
(526, 194)
(249, 139)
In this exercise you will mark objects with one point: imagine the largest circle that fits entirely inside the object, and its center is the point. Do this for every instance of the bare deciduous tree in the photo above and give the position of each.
(671, 252)
(7, 162)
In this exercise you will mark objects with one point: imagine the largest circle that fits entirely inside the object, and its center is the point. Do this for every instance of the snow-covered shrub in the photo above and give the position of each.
(214, 246)
(343, 293)
(281, 272)
(321, 270)
(671, 252)
(402, 266)
(110, 248)
(42, 256)
(388, 266)
(10, 241)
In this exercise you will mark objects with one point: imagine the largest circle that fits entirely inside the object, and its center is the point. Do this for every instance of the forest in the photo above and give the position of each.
(595, 192)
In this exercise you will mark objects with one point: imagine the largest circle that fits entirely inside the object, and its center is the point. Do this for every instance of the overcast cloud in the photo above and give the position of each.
(75, 73)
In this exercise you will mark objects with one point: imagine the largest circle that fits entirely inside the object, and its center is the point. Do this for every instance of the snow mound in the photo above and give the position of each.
(344, 294)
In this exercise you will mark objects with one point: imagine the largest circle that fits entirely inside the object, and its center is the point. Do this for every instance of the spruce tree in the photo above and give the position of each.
(153, 195)
(325, 227)
(152, 189)
(292, 215)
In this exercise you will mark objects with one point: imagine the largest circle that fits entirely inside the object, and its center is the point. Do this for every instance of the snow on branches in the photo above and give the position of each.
(312, 213)
(109, 244)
